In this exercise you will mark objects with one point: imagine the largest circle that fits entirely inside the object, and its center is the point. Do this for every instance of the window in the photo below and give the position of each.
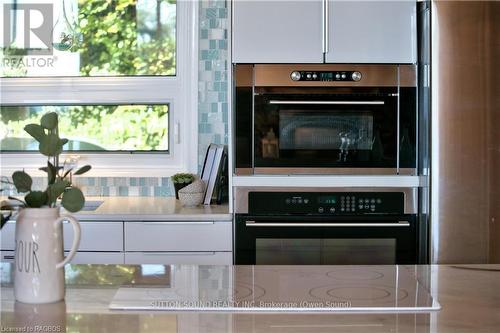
(93, 38)
(121, 74)
(91, 128)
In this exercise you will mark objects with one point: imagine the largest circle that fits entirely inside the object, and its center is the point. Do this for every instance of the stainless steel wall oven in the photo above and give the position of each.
(325, 119)
(326, 226)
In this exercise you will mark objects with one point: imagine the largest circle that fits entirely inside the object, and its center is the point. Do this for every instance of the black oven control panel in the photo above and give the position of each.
(326, 76)
(326, 203)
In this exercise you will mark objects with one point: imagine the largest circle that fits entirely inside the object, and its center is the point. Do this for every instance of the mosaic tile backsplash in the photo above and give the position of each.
(213, 110)
(112, 186)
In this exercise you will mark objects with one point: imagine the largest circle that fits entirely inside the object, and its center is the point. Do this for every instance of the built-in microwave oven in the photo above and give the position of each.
(325, 119)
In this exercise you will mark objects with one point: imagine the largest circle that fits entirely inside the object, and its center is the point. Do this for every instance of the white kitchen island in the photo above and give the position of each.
(468, 294)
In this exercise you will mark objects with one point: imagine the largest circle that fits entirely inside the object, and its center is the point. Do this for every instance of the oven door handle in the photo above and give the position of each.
(278, 102)
(313, 224)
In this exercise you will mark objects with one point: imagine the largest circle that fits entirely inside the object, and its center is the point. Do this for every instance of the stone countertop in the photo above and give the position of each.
(150, 209)
(469, 296)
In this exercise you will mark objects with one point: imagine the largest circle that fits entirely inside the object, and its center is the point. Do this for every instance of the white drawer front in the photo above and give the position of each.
(168, 258)
(98, 258)
(8, 234)
(80, 257)
(7, 256)
(178, 236)
(96, 236)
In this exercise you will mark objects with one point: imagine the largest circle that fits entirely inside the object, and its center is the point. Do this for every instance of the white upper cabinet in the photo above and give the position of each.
(317, 31)
(277, 31)
(371, 32)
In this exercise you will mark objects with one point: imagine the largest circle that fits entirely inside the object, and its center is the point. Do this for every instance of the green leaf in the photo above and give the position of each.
(82, 170)
(49, 120)
(36, 131)
(22, 181)
(23, 204)
(50, 145)
(4, 218)
(67, 172)
(73, 200)
(56, 189)
(44, 169)
(51, 172)
(36, 199)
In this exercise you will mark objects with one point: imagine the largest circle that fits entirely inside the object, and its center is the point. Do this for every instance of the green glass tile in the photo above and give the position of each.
(165, 181)
(122, 191)
(211, 13)
(144, 191)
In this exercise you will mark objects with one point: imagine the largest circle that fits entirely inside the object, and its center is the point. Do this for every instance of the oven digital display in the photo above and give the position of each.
(326, 76)
(330, 199)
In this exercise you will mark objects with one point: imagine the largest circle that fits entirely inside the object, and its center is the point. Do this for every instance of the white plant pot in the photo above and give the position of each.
(39, 261)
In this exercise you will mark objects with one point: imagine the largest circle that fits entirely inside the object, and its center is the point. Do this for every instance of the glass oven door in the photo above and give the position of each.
(325, 128)
(336, 241)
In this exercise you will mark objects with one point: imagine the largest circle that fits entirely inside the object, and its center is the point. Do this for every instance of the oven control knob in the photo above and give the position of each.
(356, 76)
(321, 210)
(295, 76)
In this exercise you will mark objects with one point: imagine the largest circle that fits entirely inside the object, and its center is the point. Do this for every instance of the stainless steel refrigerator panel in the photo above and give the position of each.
(465, 135)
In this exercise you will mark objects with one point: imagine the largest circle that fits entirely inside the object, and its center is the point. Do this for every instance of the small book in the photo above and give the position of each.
(207, 164)
(222, 183)
(219, 151)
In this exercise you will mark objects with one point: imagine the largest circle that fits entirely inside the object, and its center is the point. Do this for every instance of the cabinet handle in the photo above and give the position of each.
(179, 253)
(326, 25)
(323, 22)
(8, 257)
(306, 224)
(178, 223)
(279, 102)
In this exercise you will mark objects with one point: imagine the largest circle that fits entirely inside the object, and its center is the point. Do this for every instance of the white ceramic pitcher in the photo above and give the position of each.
(39, 258)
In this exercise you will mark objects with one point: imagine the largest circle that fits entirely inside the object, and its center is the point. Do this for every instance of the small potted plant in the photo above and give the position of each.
(39, 253)
(181, 180)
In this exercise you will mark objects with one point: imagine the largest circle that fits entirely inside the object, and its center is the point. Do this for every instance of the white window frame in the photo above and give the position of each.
(179, 91)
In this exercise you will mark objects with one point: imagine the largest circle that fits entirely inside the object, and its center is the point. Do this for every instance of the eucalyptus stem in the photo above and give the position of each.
(51, 146)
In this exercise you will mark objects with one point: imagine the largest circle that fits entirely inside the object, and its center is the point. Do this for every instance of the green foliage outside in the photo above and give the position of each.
(118, 37)
(126, 37)
(106, 127)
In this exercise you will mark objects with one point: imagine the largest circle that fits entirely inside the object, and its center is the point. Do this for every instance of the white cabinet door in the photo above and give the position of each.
(7, 236)
(98, 258)
(7, 256)
(170, 258)
(96, 236)
(178, 236)
(371, 31)
(80, 257)
(277, 31)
